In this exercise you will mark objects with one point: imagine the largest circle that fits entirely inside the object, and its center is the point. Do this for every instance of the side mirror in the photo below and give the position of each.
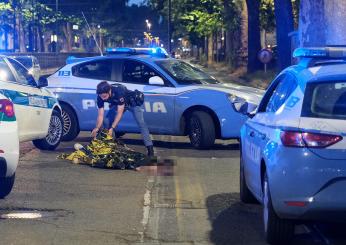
(42, 82)
(251, 114)
(156, 80)
(244, 107)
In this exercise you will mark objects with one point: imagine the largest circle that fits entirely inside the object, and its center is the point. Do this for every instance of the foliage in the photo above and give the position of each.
(5, 17)
(196, 19)
(267, 16)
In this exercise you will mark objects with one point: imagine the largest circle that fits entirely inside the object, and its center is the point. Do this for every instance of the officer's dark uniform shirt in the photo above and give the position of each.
(119, 97)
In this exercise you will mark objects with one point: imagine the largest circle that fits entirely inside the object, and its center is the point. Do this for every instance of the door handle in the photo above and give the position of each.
(252, 134)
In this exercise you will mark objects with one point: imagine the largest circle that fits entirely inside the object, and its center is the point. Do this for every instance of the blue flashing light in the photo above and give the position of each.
(310, 52)
(119, 50)
(155, 51)
(70, 59)
(73, 59)
(322, 53)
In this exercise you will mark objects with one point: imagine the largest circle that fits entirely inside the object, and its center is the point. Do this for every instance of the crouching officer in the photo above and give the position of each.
(118, 95)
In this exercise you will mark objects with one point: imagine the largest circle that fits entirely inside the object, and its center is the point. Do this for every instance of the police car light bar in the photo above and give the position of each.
(120, 50)
(321, 53)
(158, 52)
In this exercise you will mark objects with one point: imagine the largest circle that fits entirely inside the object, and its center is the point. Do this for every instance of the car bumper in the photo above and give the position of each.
(306, 186)
(9, 144)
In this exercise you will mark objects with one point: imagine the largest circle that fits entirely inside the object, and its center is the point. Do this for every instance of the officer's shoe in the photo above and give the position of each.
(150, 149)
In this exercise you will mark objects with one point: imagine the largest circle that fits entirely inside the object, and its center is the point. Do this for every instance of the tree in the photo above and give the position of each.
(322, 22)
(254, 39)
(284, 25)
(6, 12)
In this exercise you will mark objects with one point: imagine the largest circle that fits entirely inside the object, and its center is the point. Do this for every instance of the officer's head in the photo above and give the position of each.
(103, 90)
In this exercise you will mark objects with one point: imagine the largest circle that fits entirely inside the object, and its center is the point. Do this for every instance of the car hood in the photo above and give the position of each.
(250, 94)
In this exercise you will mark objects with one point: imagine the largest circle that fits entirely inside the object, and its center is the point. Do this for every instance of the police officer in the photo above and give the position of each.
(118, 95)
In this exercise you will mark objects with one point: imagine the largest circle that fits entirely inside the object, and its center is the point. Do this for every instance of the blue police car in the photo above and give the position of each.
(293, 150)
(179, 98)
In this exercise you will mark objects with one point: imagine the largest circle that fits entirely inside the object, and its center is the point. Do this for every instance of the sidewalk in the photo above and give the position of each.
(224, 74)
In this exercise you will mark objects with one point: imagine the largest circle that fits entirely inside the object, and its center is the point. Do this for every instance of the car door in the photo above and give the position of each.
(86, 76)
(260, 130)
(30, 104)
(159, 99)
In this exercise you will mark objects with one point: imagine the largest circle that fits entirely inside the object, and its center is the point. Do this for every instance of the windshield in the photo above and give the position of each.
(325, 100)
(184, 73)
(25, 61)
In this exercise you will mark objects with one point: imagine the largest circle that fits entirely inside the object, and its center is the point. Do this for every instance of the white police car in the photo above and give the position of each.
(179, 98)
(37, 110)
(293, 151)
(9, 146)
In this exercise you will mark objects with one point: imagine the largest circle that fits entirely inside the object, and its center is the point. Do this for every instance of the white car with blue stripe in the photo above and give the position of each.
(179, 98)
(293, 150)
(37, 110)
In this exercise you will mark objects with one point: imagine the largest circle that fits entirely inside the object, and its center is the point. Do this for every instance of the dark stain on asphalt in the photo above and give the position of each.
(158, 167)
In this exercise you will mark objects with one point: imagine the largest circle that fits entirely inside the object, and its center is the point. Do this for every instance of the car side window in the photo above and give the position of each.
(98, 69)
(137, 72)
(5, 72)
(23, 75)
(283, 90)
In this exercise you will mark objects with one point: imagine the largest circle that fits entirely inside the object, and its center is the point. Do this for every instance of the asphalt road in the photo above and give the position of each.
(191, 197)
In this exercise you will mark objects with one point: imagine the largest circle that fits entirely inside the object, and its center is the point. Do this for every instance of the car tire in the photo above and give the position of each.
(201, 130)
(245, 194)
(6, 185)
(71, 127)
(55, 131)
(276, 230)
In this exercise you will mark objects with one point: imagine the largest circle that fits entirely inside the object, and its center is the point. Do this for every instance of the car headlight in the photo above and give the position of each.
(239, 103)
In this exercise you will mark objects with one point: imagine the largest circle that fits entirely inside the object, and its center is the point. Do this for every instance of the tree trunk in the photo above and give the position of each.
(6, 40)
(254, 37)
(67, 29)
(31, 38)
(228, 51)
(210, 49)
(20, 32)
(40, 41)
(322, 22)
(242, 54)
(284, 25)
(15, 33)
(312, 24)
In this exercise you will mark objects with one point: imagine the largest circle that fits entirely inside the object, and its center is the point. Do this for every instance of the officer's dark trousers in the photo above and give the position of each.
(137, 113)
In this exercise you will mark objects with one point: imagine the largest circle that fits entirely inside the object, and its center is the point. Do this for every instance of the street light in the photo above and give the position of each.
(148, 25)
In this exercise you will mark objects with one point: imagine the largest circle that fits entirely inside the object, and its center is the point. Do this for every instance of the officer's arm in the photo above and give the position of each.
(100, 114)
(120, 112)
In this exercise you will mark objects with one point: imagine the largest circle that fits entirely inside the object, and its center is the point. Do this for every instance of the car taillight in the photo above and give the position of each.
(6, 107)
(305, 139)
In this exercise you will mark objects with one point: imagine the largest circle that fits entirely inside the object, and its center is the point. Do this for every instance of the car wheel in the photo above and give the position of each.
(245, 194)
(71, 128)
(6, 185)
(201, 130)
(55, 131)
(276, 230)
